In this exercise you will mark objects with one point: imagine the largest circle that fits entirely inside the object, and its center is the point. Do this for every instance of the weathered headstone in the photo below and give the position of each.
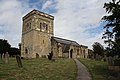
(97, 57)
(19, 62)
(3, 58)
(105, 58)
(6, 55)
(0, 57)
(110, 60)
(110, 63)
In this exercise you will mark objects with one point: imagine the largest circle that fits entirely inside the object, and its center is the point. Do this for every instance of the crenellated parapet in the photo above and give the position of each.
(38, 13)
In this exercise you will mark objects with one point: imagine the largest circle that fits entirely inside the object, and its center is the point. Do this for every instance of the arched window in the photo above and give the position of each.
(77, 51)
(26, 51)
(29, 25)
(44, 27)
(40, 26)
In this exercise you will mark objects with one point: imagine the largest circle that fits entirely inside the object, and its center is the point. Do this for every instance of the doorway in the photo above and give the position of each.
(37, 55)
(71, 52)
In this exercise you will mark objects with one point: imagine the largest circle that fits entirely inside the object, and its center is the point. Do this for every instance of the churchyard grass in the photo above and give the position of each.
(39, 69)
(98, 69)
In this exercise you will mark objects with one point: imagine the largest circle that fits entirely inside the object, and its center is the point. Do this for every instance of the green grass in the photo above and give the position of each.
(39, 69)
(98, 69)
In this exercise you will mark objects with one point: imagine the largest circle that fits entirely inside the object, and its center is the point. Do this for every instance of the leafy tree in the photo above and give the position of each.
(14, 51)
(112, 28)
(98, 49)
(4, 46)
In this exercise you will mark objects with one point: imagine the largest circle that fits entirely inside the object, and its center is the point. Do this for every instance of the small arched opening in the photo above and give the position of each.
(37, 55)
(71, 53)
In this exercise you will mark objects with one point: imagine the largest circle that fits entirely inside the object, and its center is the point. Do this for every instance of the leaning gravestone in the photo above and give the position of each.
(6, 57)
(19, 62)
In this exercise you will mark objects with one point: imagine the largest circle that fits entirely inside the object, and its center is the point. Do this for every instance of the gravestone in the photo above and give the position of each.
(0, 57)
(3, 58)
(110, 60)
(6, 56)
(19, 62)
(97, 57)
(110, 63)
(105, 58)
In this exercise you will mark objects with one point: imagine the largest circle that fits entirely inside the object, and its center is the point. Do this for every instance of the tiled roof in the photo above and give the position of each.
(65, 41)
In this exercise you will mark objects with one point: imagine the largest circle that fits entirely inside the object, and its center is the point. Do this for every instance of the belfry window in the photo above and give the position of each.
(44, 27)
(40, 26)
(29, 25)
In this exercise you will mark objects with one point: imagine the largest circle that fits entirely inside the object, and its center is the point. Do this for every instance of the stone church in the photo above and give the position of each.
(38, 39)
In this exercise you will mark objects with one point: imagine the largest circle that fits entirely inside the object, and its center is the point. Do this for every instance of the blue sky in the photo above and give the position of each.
(78, 20)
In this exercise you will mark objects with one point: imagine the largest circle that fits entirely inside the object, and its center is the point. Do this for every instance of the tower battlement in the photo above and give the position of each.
(38, 13)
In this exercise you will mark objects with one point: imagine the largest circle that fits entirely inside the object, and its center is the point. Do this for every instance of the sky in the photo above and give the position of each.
(78, 20)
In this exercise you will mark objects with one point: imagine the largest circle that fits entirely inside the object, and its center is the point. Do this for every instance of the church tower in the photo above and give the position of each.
(37, 30)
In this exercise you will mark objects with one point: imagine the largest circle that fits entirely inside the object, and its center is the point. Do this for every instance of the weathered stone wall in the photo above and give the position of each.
(36, 41)
(27, 37)
(83, 52)
(54, 48)
(36, 34)
(42, 44)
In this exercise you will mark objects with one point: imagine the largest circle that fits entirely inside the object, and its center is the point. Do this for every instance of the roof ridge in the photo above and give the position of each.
(70, 41)
(65, 39)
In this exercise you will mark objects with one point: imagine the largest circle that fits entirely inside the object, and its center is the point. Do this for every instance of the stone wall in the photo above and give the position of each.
(36, 34)
(36, 40)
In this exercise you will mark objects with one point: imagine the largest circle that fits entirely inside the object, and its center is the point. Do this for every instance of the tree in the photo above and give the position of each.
(4, 46)
(112, 28)
(98, 49)
(14, 51)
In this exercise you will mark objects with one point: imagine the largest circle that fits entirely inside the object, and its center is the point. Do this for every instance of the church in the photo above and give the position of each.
(38, 39)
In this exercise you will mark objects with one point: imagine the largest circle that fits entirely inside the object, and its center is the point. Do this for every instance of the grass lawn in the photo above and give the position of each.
(98, 69)
(39, 69)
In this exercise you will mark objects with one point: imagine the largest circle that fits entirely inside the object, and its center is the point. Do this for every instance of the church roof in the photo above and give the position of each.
(65, 41)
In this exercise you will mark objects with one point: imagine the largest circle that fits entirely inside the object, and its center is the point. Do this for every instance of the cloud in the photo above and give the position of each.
(74, 19)
(47, 5)
(11, 20)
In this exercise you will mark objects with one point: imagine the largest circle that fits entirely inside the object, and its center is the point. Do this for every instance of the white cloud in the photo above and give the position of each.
(11, 12)
(47, 5)
(75, 17)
